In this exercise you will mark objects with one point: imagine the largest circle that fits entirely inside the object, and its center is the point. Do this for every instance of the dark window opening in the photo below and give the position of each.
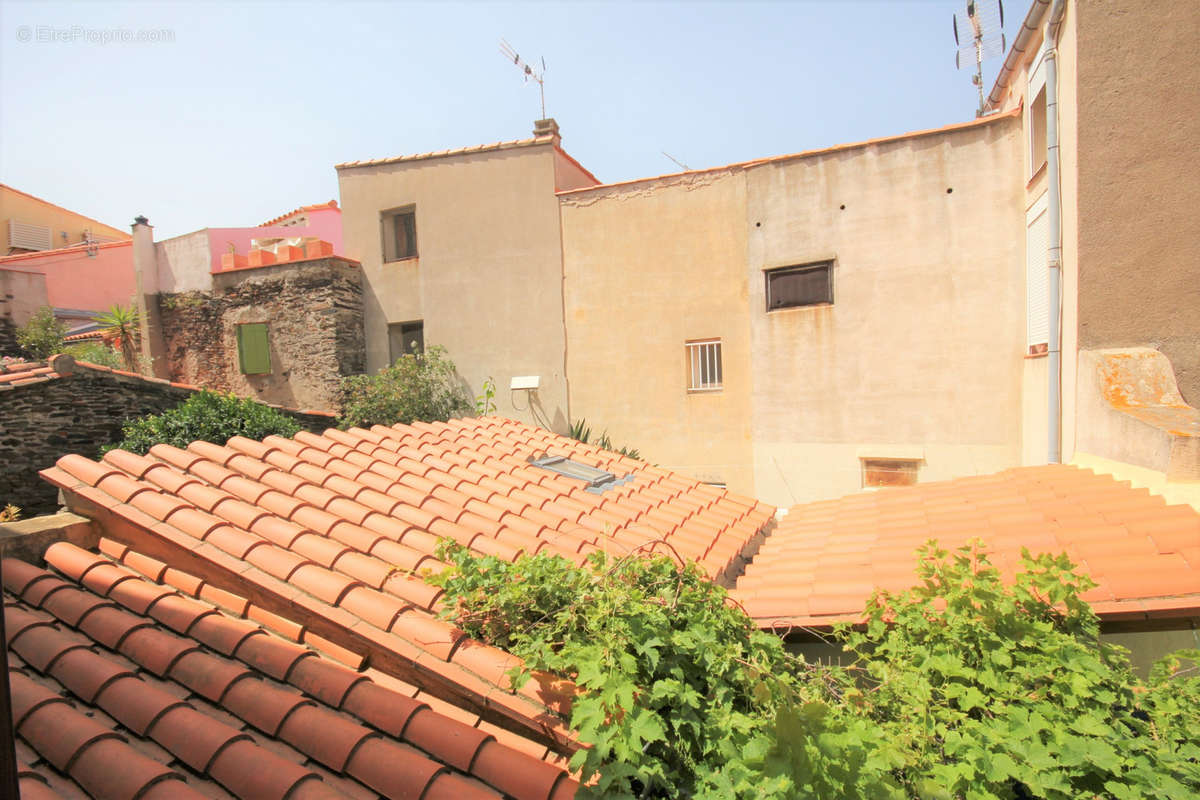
(399, 234)
(807, 285)
(406, 338)
(1037, 132)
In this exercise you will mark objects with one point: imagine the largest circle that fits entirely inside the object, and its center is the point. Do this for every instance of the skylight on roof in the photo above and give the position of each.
(597, 479)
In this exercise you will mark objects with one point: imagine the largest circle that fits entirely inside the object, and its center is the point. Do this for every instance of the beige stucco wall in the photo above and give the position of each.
(920, 354)
(21, 295)
(184, 263)
(1138, 186)
(647, 267)
(487, 281)
(60, 221)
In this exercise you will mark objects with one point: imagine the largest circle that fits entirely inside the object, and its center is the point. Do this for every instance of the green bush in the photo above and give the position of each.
(95, 353)
(580, 432)
(962, 687)
(205, 416)
(43, 335)
(419, 386)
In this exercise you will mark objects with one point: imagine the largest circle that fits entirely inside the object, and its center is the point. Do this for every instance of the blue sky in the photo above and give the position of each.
(241, 114)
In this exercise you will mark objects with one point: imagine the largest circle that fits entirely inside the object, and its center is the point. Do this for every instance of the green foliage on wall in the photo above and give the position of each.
(95, 353)
(205, 416)
(418, 387)
(42, 336)
(962, 687)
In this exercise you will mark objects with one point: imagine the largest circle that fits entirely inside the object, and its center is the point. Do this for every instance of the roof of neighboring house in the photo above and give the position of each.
(973, 123)
(118, 231)
(479, 148)
(73, 249)
(823, 561)
(318, 207)
(14, 374)
(124, 687)
(329, 530)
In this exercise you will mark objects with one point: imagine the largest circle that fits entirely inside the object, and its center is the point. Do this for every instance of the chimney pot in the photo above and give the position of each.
(140, 220)
(546, 127)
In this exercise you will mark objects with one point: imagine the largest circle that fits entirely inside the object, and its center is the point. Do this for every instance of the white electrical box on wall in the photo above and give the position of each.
(525, 382)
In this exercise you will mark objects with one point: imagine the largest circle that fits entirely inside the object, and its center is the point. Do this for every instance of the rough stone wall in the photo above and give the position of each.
(8, 338)
(314, 313)
(77, 413)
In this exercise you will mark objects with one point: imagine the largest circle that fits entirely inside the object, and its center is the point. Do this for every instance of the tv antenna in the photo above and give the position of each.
(682, 165)
(529, 72)
(982, 38)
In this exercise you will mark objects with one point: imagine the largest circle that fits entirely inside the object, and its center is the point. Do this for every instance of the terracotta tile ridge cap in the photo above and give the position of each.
(118, 231)
(468, 150)
(63, 251)
(837, 148)
(334, 257)
(317, 207)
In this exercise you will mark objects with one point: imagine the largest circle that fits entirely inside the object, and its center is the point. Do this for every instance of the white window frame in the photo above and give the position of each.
(704, 363)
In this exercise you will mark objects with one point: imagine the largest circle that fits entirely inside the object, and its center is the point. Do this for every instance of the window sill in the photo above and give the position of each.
(706, 390)
(402, 260)
(798, 308)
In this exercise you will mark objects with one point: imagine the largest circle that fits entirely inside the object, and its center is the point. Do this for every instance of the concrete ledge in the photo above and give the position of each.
(28, 539)
(1130, 410)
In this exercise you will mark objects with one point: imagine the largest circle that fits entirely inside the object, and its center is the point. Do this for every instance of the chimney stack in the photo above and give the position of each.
(547, 127)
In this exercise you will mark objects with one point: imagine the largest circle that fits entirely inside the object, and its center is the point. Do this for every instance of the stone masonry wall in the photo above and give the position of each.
(314, 313)
(78, 413)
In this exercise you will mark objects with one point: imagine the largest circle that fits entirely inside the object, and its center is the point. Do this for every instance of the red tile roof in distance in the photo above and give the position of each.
(123, 687)
(327, 531)
(824, 559)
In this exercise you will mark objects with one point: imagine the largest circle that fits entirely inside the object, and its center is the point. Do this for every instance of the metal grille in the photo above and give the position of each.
(704, 365)
(25, 236)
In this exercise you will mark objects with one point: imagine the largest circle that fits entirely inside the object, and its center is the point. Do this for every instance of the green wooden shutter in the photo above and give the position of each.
(254, 352)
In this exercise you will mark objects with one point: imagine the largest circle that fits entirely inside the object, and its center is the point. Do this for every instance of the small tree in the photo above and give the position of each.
(43, 335)
(121, 332)
(205, 416)
(419, 386)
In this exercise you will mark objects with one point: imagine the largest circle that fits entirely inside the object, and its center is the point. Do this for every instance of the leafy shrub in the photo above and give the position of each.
(580, 432)
(205, 416)
(95, 353)
(962, 687)
(42, 336)
(419, 386)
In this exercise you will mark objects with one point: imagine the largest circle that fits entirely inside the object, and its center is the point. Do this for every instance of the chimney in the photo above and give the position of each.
(145, 299)
(547, 127)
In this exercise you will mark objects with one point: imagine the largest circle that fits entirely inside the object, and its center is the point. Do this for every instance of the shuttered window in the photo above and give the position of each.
(1037, 279)
(254, 351)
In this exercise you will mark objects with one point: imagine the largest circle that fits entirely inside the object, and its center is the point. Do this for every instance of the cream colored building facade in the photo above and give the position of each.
(462, 249)
(811, 394)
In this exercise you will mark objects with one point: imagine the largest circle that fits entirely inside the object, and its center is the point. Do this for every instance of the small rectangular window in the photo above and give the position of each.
(406, 338)
(880, 472)
(803, 285)
(399, 234)
(704, 365)
(254, 349)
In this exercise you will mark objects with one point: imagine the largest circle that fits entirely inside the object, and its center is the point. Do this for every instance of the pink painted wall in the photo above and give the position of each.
(324, 223)
(76, 280)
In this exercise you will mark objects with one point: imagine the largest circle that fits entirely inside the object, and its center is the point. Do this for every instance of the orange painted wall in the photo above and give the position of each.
(76, 280)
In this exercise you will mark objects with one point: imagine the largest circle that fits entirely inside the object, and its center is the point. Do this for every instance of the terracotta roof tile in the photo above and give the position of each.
(224, 705)
(824, 559)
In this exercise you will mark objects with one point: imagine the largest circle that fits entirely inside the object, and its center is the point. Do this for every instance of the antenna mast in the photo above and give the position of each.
(984, 42)
(529, 72)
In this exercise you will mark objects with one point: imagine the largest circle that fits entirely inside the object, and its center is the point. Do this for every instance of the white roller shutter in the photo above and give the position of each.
(1037, 278)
